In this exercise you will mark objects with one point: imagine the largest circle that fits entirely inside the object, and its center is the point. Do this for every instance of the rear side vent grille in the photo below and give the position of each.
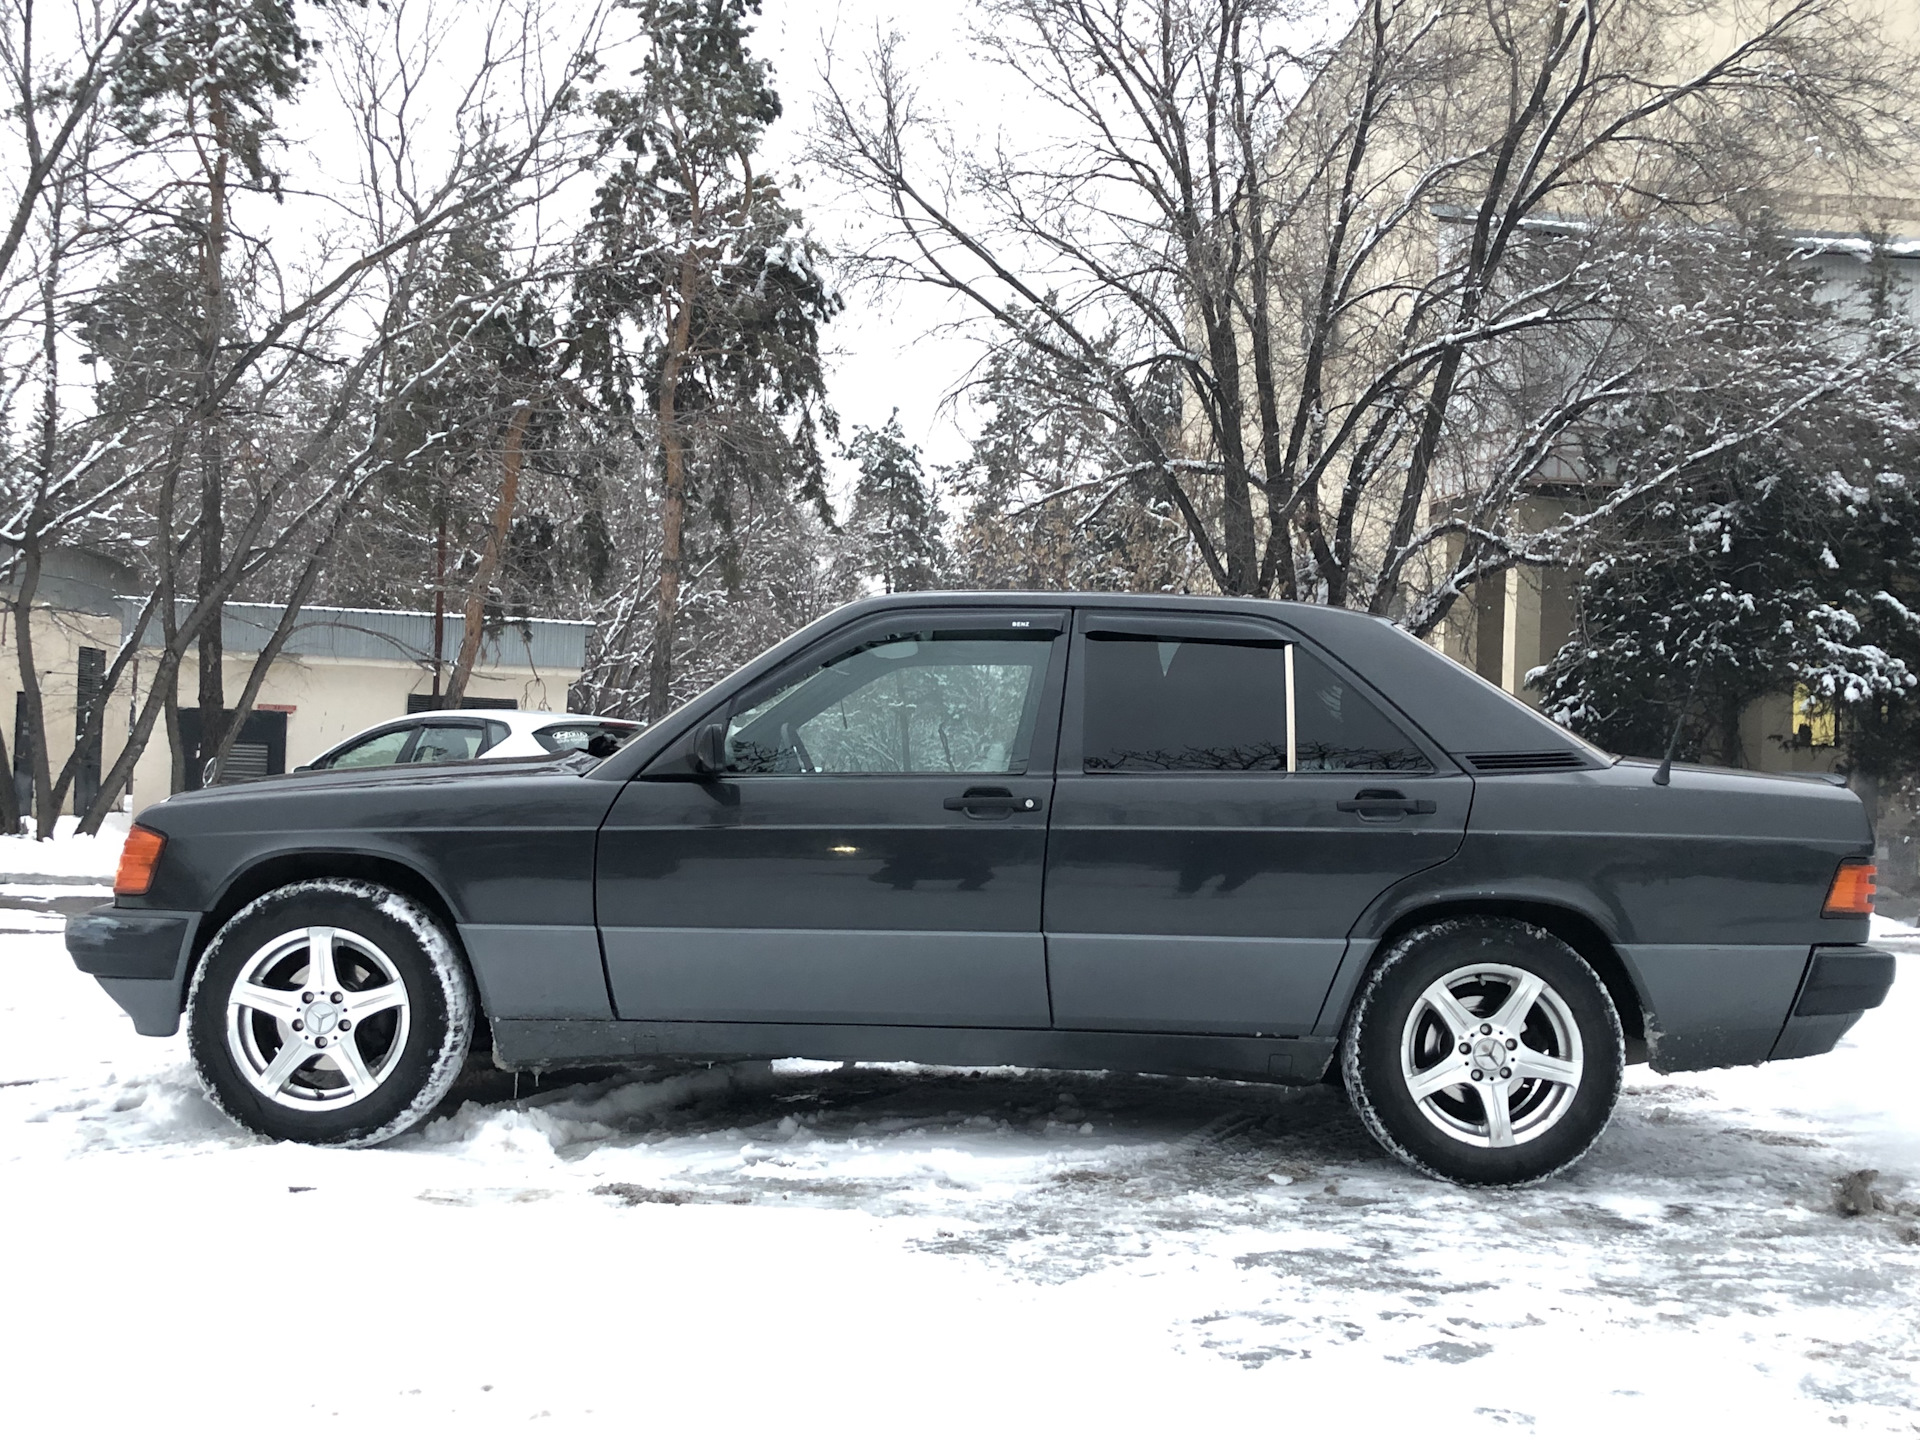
(1525, 762)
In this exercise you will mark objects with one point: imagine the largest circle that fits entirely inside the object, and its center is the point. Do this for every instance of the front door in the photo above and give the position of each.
(1228, 803)
(872, 851)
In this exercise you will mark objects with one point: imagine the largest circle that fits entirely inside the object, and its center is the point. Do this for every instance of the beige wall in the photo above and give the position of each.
(58, 637)
(325, 699)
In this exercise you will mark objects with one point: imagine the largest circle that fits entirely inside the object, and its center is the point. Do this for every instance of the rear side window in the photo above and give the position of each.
(1340, 729)
(1185, 704)
(1168, 703)
(578, 734)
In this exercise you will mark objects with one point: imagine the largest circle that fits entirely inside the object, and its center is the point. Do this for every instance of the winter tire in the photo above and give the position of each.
(1484, 1051)
(333, 1012)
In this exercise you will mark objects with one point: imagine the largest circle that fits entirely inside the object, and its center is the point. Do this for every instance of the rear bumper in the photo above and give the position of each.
(140, 958)
(1843, 982)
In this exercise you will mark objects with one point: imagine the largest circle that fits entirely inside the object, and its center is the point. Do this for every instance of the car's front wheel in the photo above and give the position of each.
(1484, 1051)
(333, 1012)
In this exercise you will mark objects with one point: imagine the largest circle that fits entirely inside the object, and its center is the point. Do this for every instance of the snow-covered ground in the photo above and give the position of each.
(811, 1250)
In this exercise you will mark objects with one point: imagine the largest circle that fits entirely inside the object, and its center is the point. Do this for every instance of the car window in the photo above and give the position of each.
(381, 749)
(577, 734)
(924, 702)
(447, 742)
(1340, 729)
(1170, 703)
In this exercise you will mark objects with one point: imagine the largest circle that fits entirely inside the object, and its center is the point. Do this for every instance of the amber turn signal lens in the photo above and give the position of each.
(137, 859)
(1852, 890)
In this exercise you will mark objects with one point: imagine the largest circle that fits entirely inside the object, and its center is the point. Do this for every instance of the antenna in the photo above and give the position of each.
(1664, 775)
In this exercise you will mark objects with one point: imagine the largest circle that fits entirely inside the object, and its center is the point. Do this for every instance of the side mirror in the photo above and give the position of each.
(709, 754)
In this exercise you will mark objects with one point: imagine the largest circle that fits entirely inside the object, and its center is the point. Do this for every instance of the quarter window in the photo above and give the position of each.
(921, 702)
(1340, 729)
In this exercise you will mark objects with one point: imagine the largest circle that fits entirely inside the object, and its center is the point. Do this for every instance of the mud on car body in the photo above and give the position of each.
(1178, 835)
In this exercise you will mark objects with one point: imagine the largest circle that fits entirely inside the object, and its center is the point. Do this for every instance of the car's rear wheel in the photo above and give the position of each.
(1484, 1051)
(333, 1012)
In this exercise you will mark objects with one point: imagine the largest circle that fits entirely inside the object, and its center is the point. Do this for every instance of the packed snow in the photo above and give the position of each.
(811, 1249)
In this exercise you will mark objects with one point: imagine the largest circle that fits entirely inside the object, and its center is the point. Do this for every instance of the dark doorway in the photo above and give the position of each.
(260, 750)
(90, 692)
(22, 761)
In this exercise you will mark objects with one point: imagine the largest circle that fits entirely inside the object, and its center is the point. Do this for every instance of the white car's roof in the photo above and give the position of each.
(517, 719)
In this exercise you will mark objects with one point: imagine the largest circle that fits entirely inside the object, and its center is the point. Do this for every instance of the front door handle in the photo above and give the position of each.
(1384, 805)
(982, 801)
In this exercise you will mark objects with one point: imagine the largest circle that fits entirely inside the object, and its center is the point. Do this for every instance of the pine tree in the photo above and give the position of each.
(895, 520)
(700, 297)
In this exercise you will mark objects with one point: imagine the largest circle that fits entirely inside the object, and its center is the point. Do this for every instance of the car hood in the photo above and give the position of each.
(384, 777)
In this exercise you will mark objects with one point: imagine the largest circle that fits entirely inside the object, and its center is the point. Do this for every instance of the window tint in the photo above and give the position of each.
(1185, 704)
(1340, 729)
(925, 702)
(381, 749)
(447, 742)
(578, 734)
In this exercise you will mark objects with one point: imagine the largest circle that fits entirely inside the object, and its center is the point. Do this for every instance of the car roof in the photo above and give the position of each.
(525, 717)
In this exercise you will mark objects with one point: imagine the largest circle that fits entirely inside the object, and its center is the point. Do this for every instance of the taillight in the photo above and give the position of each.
(1852, 890)
(137, 859)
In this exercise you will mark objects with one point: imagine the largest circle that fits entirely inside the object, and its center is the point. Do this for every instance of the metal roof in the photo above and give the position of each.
(339, 633)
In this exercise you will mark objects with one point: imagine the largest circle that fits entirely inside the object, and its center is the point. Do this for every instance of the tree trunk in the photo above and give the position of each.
(476, 613)
(212, 527)
(32, 711)
(439, 604)
(673, 500)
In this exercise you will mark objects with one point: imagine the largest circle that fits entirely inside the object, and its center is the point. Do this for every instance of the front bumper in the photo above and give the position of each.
(140, 957)
(1843, 982)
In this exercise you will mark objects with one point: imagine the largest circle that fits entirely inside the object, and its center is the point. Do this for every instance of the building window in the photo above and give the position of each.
(1813, 718)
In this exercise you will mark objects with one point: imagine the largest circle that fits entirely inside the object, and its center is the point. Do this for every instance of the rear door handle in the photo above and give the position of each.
(1383, 805)
(981, 801)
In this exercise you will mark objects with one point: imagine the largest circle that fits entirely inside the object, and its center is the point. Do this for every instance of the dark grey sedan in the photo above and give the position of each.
(1185, 835)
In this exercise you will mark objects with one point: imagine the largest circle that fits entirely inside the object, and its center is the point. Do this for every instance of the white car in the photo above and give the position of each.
(438, 736)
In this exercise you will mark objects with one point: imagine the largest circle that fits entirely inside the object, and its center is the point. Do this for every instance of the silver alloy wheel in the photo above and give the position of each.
(317, 1018)
(1491, 1055)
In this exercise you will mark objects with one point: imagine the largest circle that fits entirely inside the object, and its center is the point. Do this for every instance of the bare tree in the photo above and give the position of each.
(1341, 248)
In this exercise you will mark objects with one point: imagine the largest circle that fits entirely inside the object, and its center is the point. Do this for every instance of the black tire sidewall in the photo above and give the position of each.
(1370, 1054)
(435, 1009)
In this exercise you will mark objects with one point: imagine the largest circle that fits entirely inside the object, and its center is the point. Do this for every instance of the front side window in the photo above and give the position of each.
(1156, 704)
(928, 702)
(381, 749)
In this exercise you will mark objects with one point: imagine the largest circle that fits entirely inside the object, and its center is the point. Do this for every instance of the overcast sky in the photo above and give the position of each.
(883, 355)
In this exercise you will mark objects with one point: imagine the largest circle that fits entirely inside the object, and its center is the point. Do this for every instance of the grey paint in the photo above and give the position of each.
(1211, 984)
(1805, 1035)
(862, 977)
(538, 972)
(154, 1006)
(530, 1044)
(1712, 1005)
(130, 944)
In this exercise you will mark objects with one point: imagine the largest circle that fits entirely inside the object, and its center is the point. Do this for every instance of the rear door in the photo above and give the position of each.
(872, 852)
(1228, 802)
